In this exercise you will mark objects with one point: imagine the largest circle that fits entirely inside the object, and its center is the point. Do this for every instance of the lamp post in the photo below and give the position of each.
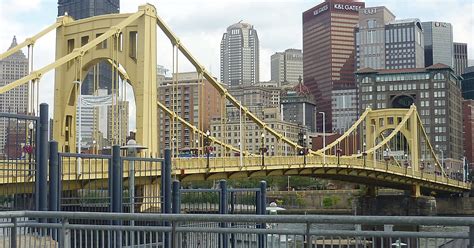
(263, 149)
(406, 163)
(324, 135)
(207, 144)
(197, 148)
(288, 183)
(30, 141)
(304, 149)
(364, 153)
(338, 153)
(386, 157)
(375, 141)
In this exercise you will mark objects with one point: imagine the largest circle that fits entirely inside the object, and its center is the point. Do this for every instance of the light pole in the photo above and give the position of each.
(30, 149)
(197, 147)
(241, 158)
(263, 149)
(364, 153)
(375, 140)
(406, 163)
(207, 144)
(288, 184)
(386, 158)
(304, 149)
(442, 155)
(324, 135)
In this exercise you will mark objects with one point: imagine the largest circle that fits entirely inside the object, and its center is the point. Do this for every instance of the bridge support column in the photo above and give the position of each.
(371, 191)
(415, 190)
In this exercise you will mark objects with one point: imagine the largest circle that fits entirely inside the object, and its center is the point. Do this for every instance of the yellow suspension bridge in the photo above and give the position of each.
(128, 42)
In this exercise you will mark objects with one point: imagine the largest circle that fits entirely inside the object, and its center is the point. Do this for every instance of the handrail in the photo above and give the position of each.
(317, 219)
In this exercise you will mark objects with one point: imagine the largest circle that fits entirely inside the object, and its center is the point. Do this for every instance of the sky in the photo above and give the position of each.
(200, 25)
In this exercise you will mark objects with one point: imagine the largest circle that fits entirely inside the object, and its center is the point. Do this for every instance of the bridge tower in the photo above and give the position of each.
(130, 45)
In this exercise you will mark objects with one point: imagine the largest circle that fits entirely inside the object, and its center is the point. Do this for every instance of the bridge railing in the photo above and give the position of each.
(254, 163)
(74, 229)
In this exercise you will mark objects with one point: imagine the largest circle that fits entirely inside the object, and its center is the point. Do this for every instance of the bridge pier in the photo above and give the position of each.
(396, 205)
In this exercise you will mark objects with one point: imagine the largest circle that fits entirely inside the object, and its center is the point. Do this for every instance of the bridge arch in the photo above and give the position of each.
(132, 46)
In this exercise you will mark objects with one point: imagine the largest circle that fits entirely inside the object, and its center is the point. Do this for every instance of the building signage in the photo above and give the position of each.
(370, 11)
(322, 9)
(341, 6)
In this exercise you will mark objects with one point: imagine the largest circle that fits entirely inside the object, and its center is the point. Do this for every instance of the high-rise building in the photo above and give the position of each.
(240, 55)
(435, 91)
(345, 109)
(438, 38)
(117, 123)
(385, 43)
(287, 66)
(467, 83)
(250, 139)
(468, 131)
(328, 50)
(298, 107)
(16, 100)
(370, 37)
(190, 106)
(80, 9)
(460, 57)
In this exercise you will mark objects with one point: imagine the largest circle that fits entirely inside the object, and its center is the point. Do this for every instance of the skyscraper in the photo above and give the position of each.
(240, 55)
(385, 43)
(328, 50)
(438, 38)
(80, 9)
(460, 57)
(16, 100)
(287, 66)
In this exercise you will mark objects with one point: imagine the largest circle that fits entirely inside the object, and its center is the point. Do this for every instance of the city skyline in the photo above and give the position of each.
(201, 31)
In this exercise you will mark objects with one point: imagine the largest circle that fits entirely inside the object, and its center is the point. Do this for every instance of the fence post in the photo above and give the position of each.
(166, 192)
(54, 177)
(471, 236)
(13, 235)
(261, 209)
(223, 210)
(167, 176)
(117, 188)
(176, 197)
(42, 171)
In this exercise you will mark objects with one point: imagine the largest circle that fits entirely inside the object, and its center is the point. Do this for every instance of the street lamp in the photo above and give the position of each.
(375, 140)
(386, 157)
(406, 163)
(364, 153)
(30, 141)
(338, 153)
(288, 183)
(442, 155)
(304, 149)
(263, 149)
(207, 144)
(324, 136)
(197, 148)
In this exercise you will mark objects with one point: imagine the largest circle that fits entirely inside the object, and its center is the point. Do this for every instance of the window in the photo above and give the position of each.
(439, 76)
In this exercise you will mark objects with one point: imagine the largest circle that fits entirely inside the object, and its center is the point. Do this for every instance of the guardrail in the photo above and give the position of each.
(78, 229)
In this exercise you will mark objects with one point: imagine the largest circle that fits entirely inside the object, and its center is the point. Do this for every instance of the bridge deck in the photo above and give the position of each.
(18, 178)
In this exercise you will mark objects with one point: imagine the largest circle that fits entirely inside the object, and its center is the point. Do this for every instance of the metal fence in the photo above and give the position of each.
(197, 230)
(86, 182)
(18, 153)
(220, 200)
